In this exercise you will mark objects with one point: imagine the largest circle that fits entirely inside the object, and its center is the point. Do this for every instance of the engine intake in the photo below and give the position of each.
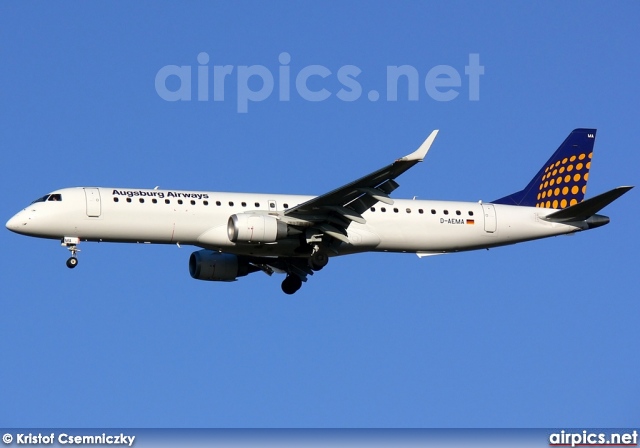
(215, 266)
(255, 228)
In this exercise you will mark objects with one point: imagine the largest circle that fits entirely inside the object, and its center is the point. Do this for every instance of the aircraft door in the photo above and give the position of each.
(489, 218)
(94, 207)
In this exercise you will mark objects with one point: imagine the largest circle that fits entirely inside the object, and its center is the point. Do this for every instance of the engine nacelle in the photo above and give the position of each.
(214, 266)
(255, 228)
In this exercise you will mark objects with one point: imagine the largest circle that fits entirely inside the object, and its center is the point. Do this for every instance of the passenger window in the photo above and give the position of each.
(257, 204)
(382, 209)
(470, 213)
(420, 211)
(395, 210)
(154, 200)
(285, 205)
(167, 201)
(244, 204)
(128, 199)
(205, 202)
(141, 201)
(115, 199)
(433, 212)
(408, 210)
(446, 212)
(218, 203)
(458, 212)
(373, 209)
(179, 201)
(193, 202)
(230, 204)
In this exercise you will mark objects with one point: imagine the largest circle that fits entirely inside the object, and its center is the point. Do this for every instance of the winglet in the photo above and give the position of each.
(419, 154)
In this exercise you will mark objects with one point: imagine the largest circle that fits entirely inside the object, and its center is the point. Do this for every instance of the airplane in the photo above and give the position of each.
(242, 233)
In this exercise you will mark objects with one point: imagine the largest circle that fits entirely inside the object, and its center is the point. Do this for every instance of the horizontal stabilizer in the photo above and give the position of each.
(587, 208)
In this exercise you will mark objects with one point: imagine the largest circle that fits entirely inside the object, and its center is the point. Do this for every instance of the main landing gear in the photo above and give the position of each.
(291, 284)
(318, 260)
(297, 273)
(71, 243)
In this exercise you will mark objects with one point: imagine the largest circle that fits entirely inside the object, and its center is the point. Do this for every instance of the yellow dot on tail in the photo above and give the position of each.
(574, 189)
(555, 204)
(553, 181)
(582, 156)
(567, 178)
(573, 202)
(584, 189)
(561, 170)
(564, 160)
(586, 177)
(556, 192)
(576, 178)
(563, 203)
(559, 180)
(590, 154)
(588, 165)
(570, 168)
(579, 166)
(565, 190)
(572, 158)
(548, 204)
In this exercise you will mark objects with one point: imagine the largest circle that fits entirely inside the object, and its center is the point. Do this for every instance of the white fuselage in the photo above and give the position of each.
(200, 219)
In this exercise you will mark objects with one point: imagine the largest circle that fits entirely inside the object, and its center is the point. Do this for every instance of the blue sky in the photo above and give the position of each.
(542, 334)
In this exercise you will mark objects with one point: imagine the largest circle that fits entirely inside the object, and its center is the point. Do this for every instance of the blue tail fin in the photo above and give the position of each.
(562, 181)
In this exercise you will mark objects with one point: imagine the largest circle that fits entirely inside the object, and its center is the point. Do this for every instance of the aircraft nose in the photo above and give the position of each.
(14, 223)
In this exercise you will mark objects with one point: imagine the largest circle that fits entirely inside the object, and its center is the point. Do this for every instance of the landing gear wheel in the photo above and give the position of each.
(291, 284)
(318, 260)
(72, 262)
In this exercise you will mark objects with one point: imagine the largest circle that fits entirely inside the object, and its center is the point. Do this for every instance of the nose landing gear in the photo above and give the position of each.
(71, 243)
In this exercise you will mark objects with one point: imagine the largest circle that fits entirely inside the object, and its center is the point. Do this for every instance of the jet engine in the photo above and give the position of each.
(255, 228)
(215, 266)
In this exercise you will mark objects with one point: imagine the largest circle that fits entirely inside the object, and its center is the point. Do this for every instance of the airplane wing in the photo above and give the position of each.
(333, 212)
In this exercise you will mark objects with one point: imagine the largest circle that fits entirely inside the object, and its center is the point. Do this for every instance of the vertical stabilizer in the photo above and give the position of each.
(562, 181)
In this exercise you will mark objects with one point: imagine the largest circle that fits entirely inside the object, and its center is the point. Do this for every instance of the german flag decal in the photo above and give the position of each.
(470, 221)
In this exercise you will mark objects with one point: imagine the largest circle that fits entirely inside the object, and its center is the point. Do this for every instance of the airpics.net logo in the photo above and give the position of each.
(313, 83)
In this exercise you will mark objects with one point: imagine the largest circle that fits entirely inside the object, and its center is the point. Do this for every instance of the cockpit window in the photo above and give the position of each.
(49, 197)
(42, 199)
